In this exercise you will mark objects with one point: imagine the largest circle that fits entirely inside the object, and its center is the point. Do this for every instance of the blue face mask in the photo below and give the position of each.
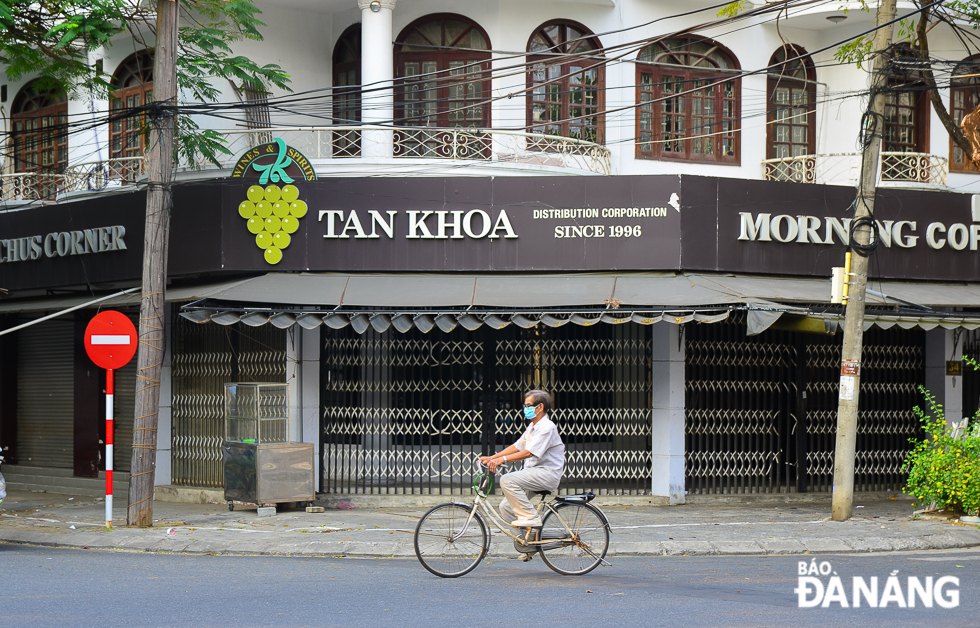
(529, 413)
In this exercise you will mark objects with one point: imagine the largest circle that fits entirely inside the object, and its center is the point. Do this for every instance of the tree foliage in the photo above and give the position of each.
(961, 17)
(53, 40)
(733, 9)
(942, 469)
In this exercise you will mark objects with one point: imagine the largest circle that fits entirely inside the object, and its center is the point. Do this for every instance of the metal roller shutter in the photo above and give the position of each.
(45, 395)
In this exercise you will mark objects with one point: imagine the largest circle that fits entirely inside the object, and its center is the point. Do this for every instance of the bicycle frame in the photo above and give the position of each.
(585, 536)
(480, 502)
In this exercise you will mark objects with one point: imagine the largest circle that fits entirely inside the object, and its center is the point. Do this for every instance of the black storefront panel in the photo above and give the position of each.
(470, 224)
(504, 224)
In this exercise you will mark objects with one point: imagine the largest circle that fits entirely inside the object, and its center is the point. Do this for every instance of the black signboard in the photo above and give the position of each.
(733, 225)
(503, 224)
(465, 224)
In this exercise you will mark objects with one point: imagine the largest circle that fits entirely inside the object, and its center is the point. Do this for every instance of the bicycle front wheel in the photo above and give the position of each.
(443, 547)
(581, 539)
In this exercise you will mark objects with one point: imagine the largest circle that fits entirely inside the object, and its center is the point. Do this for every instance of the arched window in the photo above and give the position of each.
(906, 126)
(687, 109)
(791, 97)
(566, 82)
(39, 119)
(347, 91)
(964, 98)
(132, 87)
(442, 69)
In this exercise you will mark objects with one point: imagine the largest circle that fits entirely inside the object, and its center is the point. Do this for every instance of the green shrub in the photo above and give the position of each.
(941, 469)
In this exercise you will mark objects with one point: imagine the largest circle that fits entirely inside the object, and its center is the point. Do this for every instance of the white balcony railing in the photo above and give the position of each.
(468, 144)
(914, 168)
(335, 142)
(19, 186)
(102, 174)
(845, 168)
(92, 176)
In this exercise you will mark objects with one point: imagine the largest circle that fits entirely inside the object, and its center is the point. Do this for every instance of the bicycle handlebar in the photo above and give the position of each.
(480, 466)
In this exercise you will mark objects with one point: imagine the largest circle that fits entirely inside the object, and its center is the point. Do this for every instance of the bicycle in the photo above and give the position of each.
(452, 538)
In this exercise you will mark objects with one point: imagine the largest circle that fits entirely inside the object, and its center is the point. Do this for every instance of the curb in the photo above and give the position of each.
(249, 545)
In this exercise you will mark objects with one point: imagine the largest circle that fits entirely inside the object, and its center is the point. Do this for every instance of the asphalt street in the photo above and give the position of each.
(46, 586)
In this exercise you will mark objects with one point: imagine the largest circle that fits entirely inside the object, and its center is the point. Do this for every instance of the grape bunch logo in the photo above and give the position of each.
(273, 208)
(273, 215)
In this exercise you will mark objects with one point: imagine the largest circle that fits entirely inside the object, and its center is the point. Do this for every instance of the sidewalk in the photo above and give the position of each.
(752, 526)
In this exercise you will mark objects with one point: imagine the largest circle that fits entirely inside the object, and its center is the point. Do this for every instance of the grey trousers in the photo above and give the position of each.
(518, 489)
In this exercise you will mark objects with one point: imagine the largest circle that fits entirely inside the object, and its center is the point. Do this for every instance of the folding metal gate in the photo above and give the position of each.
(757, 406)
(205, 356)
(410, 413)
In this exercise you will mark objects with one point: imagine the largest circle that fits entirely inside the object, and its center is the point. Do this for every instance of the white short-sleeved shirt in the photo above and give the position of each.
(545, 445)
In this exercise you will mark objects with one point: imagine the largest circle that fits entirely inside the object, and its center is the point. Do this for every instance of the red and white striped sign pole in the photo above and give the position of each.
(108, 448)
(110, 341)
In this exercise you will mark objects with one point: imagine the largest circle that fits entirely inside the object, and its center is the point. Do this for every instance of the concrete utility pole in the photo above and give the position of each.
(149, 359)
(850, 380)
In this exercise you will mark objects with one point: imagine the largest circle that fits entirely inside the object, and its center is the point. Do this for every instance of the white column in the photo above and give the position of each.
(377, 75)
(294, 377)
(310, 376)
(162, 476)
(943, 345)
(619, 125)
(668, 413)
(954, 384)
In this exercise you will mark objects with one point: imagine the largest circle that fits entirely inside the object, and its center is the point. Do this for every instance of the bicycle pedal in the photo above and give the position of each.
(525, 558)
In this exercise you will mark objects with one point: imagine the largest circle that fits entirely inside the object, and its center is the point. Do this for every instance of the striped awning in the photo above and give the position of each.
(428, 301)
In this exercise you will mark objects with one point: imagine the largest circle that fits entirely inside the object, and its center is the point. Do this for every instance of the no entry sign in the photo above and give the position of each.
(110, 341)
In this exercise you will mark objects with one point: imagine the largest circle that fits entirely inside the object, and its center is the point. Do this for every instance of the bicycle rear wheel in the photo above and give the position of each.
(579, 548)
(437, 546)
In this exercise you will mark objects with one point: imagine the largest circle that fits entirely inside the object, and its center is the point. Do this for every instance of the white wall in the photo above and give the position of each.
(300, 36)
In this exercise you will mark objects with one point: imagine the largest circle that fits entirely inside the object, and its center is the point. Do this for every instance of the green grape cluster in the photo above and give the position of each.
(273, 214)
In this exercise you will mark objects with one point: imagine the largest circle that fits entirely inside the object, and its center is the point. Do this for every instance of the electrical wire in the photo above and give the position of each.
(206, 109)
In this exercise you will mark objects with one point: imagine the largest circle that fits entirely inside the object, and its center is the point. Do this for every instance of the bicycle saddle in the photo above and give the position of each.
(583, 498)
(542, 493)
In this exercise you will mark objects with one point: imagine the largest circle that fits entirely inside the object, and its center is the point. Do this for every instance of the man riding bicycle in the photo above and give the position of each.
(543, 453)
(570, 534)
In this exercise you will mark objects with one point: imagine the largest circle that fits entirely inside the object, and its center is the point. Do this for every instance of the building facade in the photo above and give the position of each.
(633, 209)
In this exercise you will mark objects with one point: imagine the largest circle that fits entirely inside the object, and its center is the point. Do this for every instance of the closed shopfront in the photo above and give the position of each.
(60, 403)
(205, 357)
(409, 413)
(45, 399)
(761, 411)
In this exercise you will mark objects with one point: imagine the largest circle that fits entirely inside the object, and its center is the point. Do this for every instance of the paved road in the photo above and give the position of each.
(62, 587)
